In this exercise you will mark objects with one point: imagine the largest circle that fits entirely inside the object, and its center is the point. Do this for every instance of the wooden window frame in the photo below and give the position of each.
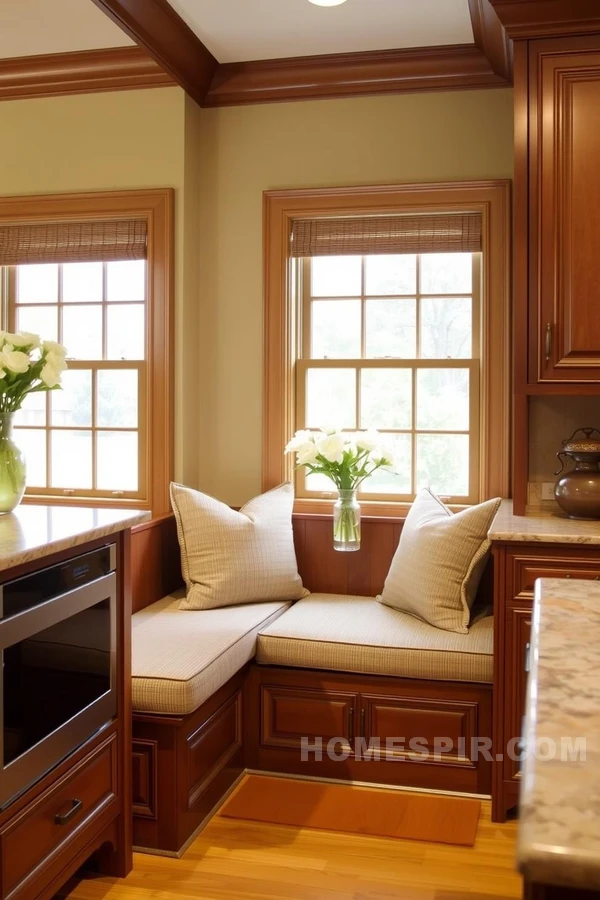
(491, 199)
(156, 206)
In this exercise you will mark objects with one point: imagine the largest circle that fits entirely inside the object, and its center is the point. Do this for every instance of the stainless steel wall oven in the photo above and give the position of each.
(58, 649)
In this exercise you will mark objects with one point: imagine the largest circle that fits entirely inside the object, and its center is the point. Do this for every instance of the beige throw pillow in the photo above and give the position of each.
(439, 562)
(230, 557)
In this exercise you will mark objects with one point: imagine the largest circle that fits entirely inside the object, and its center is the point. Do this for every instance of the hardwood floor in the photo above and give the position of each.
(250, 861)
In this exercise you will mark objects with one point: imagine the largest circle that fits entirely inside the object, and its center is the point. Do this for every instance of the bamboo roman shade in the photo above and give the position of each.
(65, 242)
(415, 233)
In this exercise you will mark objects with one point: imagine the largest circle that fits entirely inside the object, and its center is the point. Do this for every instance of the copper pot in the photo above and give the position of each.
(578, 491)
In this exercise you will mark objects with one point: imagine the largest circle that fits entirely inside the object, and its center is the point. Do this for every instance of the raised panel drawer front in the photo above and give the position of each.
(58, 816)
(565, 144)
(289, 714)
(211, 746)
(444, 728)
(518, 636)
(526, 571)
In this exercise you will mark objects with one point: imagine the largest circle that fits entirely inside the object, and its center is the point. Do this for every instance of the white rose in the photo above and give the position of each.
(307, 455)
(24, 339)
(14, 360)
(56, 362)
(55, 348)
(384, 456)
(50, 376)
(300, 439)
(331, 447)
(367, 440)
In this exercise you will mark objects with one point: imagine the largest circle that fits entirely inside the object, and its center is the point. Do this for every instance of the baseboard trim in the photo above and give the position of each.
(369, 784)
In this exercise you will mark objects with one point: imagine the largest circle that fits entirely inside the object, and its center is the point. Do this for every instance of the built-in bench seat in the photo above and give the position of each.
(330, 668)
(181, 658)
(358, 634)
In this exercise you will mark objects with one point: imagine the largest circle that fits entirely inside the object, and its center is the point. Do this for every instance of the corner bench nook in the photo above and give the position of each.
(219, 691)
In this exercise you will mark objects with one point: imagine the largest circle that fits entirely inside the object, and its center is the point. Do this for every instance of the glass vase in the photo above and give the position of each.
(12, 467)
(346, 522)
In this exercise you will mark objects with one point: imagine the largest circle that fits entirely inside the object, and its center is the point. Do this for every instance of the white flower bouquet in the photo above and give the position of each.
(347, 459)
(27, 365)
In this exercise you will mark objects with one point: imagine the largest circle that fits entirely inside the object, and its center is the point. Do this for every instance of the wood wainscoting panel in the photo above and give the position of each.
(212, 745)
(155, 561)
(143, 778)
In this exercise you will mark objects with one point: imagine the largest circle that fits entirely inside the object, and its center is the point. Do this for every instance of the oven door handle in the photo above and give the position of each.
(63, 818)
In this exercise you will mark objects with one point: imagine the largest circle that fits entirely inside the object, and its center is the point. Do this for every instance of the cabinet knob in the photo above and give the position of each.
(548, 341)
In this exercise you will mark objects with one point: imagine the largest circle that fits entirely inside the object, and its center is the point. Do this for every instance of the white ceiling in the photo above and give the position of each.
(32, 27)
(235, 30)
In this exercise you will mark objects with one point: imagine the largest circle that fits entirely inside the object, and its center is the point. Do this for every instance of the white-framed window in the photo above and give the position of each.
(392, 342)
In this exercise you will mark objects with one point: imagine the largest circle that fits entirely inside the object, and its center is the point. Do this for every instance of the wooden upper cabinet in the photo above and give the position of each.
(564, 209)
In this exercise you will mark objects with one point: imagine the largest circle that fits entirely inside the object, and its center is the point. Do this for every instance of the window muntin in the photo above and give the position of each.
(392, 342)
(88, 440)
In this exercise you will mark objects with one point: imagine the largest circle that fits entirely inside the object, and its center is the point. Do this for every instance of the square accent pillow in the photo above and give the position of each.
(439, 562)
(229, 557)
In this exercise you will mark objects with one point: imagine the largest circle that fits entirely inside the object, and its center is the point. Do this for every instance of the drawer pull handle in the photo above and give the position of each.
(548, 341)
(63, 818)
(527, 648)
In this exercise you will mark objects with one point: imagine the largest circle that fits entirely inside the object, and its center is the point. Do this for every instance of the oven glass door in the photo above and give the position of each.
(58, 680)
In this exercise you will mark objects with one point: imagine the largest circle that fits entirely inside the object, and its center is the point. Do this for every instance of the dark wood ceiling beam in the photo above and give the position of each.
(154, 25)
(82, 72)
(352, 75)
(491, 37)
(524, 19)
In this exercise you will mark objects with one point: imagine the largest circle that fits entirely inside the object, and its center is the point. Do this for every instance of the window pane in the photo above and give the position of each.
(398, 481)
(73, 405)
(33, 411)
(37, 284)
(386, 398)
(446, 273)
(389, 274)
(336, 276)
(331, 398)
(82, 331)
(71, 459)
(82, 283)
(125, 332)
(391, 328)
(33, 444)
(117, 454)
(126, 281)
(335, 326)
(42, 320)
(320, 483)
(117, 398)
(446, 328)
(443, 463)
(443, 399)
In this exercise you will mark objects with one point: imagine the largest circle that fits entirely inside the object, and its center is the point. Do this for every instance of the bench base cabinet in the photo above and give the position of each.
(183, 766)
(516, 568)
(396, 731)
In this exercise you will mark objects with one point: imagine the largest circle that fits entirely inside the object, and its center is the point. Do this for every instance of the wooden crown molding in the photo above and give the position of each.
(156, 26)
(524, 19)
(117, 69)
(491, 37)
(351, 75)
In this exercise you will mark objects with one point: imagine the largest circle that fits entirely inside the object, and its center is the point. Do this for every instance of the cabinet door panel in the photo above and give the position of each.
(290, 713)
(565, 226)
(518, 632)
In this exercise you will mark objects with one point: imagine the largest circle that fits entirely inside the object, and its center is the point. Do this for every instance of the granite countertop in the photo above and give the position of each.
(32, 532)
(552, 528)
(559, 829)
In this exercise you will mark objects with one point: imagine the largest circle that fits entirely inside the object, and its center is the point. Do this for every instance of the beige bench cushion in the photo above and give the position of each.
(357, 634)
(181, 657)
